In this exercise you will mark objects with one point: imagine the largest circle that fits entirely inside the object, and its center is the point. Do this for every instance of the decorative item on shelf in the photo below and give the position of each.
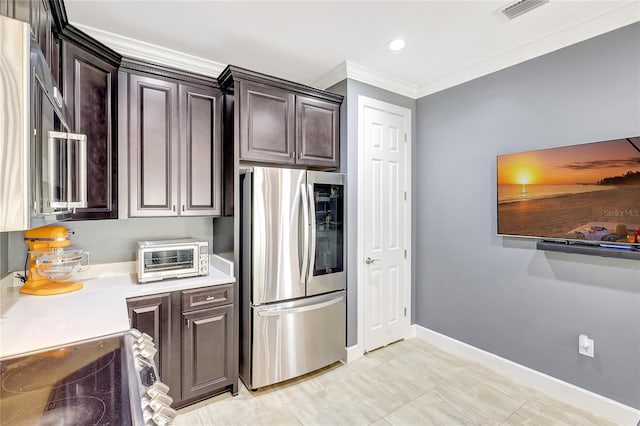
(52, 261)
(621, 229)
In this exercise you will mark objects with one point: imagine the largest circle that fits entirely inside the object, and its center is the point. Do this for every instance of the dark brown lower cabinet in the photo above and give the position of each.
(193, 332)
(206, 350)
(155, 315)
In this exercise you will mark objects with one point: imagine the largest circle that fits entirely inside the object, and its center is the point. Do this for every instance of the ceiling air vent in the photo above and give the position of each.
(520, 7)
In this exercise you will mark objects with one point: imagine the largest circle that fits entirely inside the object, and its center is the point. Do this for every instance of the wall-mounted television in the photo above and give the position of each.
(587, 193)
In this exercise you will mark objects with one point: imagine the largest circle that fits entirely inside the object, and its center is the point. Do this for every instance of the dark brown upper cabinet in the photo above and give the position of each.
(153, 146)
(200, 151)
(266, 124)
(89, 86)
(281, 122)
(317, 132)
(174, 138)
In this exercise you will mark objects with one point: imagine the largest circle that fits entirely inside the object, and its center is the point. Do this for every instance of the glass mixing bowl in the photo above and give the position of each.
(61, 263)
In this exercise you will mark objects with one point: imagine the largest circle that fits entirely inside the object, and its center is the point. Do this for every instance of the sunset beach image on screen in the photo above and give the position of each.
(587, 192)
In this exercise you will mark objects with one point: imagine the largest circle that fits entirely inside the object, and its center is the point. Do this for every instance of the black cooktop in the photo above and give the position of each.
(79, 384)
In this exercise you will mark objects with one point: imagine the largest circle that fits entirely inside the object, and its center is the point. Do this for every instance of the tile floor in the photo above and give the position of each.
(407, 383)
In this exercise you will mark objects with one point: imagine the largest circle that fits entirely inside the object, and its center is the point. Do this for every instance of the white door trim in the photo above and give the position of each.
(364, 101)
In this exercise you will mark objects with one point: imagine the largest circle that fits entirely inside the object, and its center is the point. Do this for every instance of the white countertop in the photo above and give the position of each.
(29, 323)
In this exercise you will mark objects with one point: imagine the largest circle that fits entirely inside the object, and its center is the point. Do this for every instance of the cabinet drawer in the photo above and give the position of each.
(200, 298)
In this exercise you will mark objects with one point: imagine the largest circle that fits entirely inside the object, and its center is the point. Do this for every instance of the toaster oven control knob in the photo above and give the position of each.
(164, 416)
(157, 388)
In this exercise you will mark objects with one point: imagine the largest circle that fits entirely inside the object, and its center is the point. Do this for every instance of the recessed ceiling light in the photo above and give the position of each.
(396, 45)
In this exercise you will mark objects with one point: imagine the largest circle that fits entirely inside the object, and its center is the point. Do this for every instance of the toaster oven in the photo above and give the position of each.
(159, 260)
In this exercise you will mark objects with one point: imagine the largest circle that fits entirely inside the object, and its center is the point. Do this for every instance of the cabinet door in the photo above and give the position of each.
(207, 350)
(317, 132)
(153, 315)
(201, 151)
(266, 124)
(89, 88)
(153, 147)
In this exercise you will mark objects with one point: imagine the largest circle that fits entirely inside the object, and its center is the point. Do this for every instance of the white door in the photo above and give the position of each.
(384, 214)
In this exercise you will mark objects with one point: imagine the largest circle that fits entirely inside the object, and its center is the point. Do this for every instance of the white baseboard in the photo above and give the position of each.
(352, 353)
(563, 391)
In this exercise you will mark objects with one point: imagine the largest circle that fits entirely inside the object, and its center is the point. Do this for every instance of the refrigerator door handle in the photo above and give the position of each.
(312, 243)
(271, 312)
(305, 224)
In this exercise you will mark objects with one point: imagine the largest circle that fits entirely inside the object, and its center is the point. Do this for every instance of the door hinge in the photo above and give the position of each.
(405, 195)
(405, 137)
(405, 253)
(405, 312)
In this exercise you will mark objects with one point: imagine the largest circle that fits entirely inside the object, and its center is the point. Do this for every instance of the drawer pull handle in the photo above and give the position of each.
(209, 298)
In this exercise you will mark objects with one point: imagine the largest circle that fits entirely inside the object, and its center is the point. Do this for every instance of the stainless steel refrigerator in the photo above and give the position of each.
(293, 278)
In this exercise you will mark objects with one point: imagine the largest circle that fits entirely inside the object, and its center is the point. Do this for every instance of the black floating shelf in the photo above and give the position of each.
(592, 250)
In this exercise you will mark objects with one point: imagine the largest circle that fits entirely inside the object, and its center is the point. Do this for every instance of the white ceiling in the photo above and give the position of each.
(448, 42)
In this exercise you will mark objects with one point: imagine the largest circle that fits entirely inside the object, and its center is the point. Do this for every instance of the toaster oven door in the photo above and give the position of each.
(157, 264)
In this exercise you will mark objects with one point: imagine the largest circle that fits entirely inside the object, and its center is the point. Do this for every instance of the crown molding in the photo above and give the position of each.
(132, 48)
(336, 75)
(381, 80)
(614, 19)
(366, 75)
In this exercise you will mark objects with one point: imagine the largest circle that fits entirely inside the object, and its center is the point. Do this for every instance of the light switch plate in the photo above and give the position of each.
(585, 346)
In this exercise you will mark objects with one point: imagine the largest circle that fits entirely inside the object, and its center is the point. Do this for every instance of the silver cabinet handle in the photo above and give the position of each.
(369, 260)
(210, 298)
(77, 170)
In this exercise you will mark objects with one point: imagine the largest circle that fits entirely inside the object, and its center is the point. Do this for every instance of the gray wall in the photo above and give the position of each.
(349, 165)
(115, 240)
(4, 254)
(500, 294)
(223, 234)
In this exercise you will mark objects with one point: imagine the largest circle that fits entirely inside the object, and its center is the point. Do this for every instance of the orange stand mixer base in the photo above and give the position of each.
(46, 287)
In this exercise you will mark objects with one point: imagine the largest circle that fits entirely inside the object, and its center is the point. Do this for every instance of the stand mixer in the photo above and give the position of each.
(52, 262)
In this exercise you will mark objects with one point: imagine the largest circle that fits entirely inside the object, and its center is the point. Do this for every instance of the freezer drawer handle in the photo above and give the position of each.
(273, 312)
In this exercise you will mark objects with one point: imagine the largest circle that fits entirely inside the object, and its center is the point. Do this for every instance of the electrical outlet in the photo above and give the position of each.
(585, 346)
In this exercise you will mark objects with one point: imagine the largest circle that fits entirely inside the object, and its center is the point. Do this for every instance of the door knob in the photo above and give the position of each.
(369, 260)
